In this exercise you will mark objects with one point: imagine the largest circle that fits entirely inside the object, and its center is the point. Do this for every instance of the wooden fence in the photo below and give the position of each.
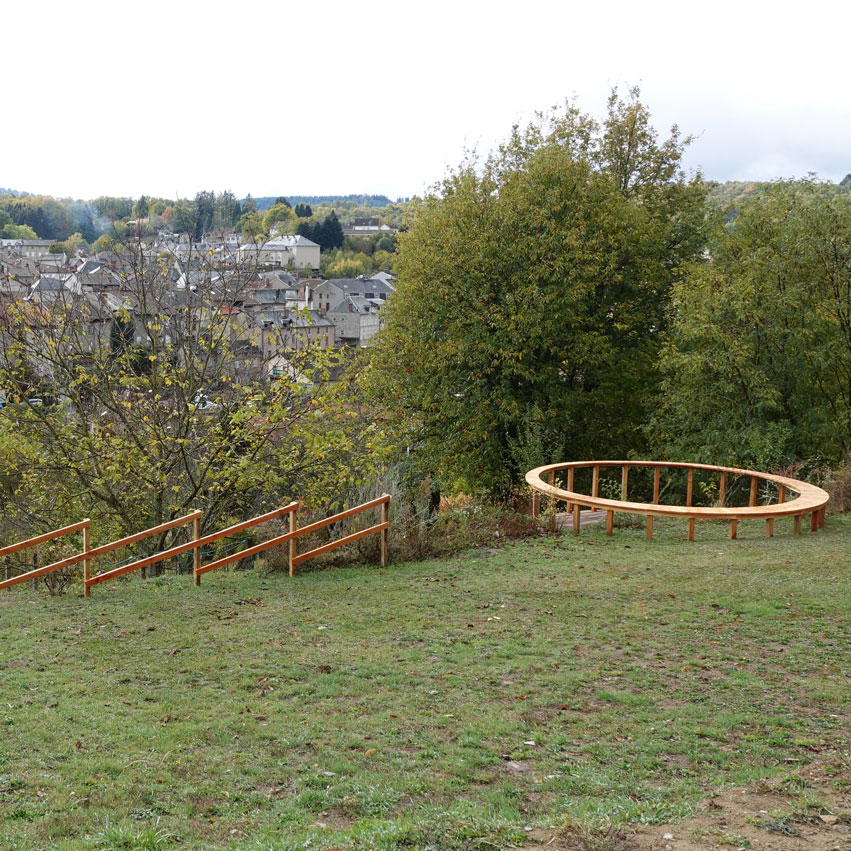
(198, 542)
(806, 498)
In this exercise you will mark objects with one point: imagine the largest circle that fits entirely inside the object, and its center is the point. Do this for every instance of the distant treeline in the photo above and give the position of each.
(359, 200)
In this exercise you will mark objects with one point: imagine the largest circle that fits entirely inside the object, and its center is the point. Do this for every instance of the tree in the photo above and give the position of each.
(123, 436)
(205, 208)
(303, 211)
(533, 289)
(330, 232)
(757, 370)
(280, 218)
(252, 226)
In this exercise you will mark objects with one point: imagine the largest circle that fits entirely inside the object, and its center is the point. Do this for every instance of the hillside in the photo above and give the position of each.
(560, 691)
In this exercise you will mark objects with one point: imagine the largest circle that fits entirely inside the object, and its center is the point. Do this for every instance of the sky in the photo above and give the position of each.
(280, 98)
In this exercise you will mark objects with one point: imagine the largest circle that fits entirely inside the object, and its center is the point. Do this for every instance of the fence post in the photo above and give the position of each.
(196, 553)
(595, 484)
(385, 518)
(293, 527)
(87, 545)
(570, 506)
(35, 565)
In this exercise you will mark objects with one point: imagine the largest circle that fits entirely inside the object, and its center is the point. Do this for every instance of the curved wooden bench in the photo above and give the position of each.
(808, 499)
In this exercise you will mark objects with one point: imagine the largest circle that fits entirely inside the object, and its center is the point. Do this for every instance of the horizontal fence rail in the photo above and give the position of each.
(83, 526)
(808, 499)
(196, 544)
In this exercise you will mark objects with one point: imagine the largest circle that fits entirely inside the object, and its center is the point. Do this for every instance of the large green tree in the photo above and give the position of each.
(758, 368)
(533, 290)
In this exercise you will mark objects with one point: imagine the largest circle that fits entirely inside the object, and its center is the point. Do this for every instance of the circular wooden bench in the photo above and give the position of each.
(805, 498)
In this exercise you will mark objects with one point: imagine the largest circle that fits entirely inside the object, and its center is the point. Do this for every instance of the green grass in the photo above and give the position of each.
(445, 705)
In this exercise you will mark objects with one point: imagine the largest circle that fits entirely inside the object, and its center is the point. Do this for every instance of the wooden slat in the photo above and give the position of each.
(690, 489)
(657, 475)
(769, 527)
(649, 533)
(47, 536)
(722, 490)
(325, 548)
(624, 482)
(753, 493)
(691, 528)
(734, 529)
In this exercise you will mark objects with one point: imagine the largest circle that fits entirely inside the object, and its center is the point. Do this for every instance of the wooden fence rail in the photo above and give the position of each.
(197, 542)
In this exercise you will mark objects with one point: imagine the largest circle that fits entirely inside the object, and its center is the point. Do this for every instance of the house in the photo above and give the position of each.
(329, 294)
(368, 227)
(356, 320)
(282, 251)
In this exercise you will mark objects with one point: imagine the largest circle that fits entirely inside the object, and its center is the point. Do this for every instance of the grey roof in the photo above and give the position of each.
(360, 305)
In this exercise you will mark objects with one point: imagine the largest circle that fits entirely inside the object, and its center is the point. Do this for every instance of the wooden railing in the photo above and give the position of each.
(809, 499)
(196, 544)
(295, 532)
(83, 525)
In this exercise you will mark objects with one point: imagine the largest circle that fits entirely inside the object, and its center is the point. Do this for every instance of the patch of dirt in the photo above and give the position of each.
(808, 810)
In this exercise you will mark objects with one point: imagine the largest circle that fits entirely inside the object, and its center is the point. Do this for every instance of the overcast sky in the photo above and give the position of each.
(168, 98)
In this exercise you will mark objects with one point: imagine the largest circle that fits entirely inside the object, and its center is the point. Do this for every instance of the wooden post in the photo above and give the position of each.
(754, 486)
(690, 489)
(610, 522)
(536, 504)
(821, 516)
(595, 484)
(293, 526)
(656, 478)
(624, 482)
(87, 545)
(691, 528)
(649, 527)
(781, 494)
(570, 506)
(734, 529)
(385, 518)
(814, 522)
(196, 553)
(797, 526)
(769, 527)
(722, 490)
(35, 565)
(577, 511)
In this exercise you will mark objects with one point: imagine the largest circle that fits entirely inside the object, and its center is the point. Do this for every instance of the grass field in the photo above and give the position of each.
(559, 684)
